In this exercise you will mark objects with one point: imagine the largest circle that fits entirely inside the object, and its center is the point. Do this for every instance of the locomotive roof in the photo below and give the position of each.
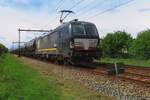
(62, 25)
(70, 22)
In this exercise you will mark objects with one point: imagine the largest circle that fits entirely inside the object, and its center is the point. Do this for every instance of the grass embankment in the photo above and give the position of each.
(135, 62)
(71, 89)
(19, 82)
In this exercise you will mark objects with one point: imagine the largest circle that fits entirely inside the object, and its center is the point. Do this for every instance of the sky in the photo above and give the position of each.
(132, 17)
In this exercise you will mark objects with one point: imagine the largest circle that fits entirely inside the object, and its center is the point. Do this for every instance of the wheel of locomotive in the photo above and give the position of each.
(59, 60)
(89, 60)
(66, 61)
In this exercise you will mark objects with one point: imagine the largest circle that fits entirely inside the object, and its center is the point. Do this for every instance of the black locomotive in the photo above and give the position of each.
(72, 42)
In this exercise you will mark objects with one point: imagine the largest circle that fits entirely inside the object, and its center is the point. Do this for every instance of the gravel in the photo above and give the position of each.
(107, 85)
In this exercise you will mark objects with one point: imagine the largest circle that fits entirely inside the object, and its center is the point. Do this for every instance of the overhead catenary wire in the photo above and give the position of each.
(75, 5)
(59, 4)
(88, 7)
(109, 9)
(85, 6)
(93, 7)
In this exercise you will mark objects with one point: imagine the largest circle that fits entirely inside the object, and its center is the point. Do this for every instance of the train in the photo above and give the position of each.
(72, 42)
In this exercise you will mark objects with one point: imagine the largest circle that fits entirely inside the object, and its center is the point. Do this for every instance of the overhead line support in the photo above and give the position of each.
(29, 30)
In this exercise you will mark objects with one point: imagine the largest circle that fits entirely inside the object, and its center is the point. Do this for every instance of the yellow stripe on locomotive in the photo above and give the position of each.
(48, 49)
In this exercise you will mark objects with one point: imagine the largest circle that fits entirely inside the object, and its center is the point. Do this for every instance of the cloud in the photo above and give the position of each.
(2, 38)
(24, 5)
(12, 17)
(144, 10)
(132, 23)
(128, 18)
(25, 2)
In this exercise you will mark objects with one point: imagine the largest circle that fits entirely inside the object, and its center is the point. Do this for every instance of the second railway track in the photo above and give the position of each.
(136, 78)
(132, 74)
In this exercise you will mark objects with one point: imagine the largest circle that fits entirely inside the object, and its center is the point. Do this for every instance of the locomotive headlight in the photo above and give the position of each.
(93, 43)
(71, 45)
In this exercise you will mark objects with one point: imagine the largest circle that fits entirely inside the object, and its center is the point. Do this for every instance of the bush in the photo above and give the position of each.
(116, 44)
(3, 49)
(141, 46)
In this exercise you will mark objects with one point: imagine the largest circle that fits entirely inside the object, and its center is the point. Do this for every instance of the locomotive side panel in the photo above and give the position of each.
(64, 39)
(48, 44)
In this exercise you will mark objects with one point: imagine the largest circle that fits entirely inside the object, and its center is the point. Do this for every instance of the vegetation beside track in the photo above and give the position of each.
(70, 88)
(120, 44)
(134, 62)
(19, 82)
(3, 49)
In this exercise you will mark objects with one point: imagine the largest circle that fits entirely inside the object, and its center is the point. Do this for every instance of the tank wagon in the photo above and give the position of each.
(72, 42)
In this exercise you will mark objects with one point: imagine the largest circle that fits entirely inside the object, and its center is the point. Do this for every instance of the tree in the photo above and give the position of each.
(116, 44)
(3, 49)
(141, 45)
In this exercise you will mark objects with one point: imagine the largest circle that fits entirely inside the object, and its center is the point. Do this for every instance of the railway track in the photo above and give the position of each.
(141, 71)
(138, 74)
(127, 76)
(136, 78)
(137, 67)
(132, 74)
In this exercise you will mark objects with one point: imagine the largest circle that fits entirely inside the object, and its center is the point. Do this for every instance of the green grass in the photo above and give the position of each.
(19, 82)
(70, 89)
(135, 62)
(75, 91)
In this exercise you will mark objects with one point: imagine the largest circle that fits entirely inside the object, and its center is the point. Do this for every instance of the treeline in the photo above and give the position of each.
(3, 49)
(121, 44)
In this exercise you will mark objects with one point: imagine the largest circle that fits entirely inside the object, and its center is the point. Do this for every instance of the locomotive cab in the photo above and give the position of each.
(84, 41)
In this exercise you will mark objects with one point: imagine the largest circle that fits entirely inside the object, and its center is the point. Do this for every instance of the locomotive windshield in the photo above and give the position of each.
(77, 29)
(90, 29)
(84, 29)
